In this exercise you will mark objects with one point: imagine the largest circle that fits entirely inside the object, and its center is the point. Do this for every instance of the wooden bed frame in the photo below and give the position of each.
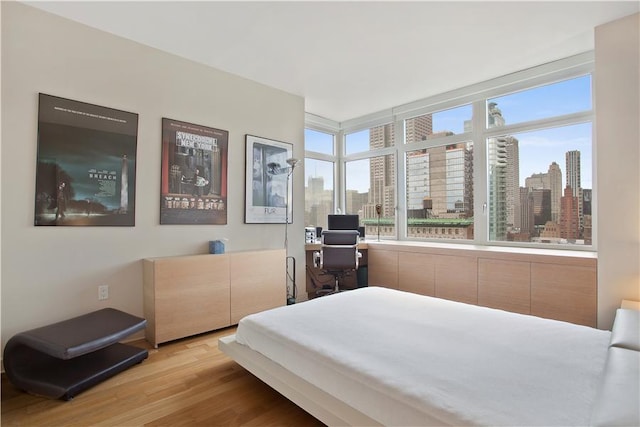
(315, 401)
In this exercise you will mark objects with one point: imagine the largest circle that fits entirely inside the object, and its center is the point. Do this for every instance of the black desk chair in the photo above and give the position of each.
(338, 256)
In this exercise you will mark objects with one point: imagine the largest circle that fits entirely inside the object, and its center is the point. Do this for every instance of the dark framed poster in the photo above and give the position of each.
(86, 164)
(268, 197)
(194, 174)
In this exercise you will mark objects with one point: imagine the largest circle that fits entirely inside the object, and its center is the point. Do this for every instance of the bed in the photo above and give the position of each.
(376, 356)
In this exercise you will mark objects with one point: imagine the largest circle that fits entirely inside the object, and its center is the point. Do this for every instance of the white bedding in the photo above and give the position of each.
(405, 359)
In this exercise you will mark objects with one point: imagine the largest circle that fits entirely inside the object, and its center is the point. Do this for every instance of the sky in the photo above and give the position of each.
(537, 149)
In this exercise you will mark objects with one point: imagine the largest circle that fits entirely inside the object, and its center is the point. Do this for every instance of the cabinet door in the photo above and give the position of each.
(258, 282)
(191, 295)
(383, 268)
(457, 278)
(416, 273)
(504, 285)
(564, 292)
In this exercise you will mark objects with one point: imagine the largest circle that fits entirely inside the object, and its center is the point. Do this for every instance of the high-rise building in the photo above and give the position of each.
(573, 171)
(587, 232)
(587, 195)
(318, 202)
(573, 181)
(315, 185)
(569, 220)
(382, 174)
(541, 206)
(459, 200)
(552, 180)
(418, 128)
(494, 116)
(526, 212)
(497, 159)
(444, 176)
(383, 169)
(551, 231)
(555, 185)
(513, 183)
(417, 166)
(418, 183)
(587, 222)
(537, 181)
(356, 203)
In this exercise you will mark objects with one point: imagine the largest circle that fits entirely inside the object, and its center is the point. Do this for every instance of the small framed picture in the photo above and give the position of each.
(268, 196)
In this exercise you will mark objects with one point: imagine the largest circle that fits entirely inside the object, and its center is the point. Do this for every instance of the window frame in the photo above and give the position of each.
(329, 127)
(477, 95)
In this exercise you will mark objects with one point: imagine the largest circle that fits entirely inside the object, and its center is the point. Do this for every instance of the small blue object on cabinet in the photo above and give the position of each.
(216, 247)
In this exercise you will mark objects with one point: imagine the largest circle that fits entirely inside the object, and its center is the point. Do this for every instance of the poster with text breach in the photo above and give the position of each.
(194, 174)
(86, 164)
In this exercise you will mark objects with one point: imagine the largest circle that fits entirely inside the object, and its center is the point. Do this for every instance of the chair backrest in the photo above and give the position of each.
(339, 258)
(340, 237)
(339, 250)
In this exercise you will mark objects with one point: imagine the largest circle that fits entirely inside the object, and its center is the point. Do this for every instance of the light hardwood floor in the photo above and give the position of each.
(187, 382)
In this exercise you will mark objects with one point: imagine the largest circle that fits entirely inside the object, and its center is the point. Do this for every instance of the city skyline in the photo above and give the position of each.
(555, 141)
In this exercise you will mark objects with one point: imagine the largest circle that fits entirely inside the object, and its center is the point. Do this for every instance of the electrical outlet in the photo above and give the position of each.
(103, 292)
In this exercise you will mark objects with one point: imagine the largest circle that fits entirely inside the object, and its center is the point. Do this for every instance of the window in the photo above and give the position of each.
(319, 169)
(442, 123)
(439, 189)
(318, 142)
(537, 183)
(565, 97)
(505, 162)
(370, 185)
(319, 192)
(370, 139)
(537, 177)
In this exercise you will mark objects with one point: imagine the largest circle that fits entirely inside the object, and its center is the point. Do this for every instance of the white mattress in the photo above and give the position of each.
(405, 359)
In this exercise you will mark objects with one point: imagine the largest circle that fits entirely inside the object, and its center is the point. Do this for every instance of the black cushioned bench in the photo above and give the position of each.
(66, 358)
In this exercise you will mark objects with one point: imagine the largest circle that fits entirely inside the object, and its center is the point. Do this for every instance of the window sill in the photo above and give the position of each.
(478, 250)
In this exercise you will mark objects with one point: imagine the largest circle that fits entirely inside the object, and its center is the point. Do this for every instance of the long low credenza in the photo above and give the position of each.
(188, 295)
(559, 285)
(554, 284)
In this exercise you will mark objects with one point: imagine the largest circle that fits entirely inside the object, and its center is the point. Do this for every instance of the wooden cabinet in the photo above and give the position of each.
(417, 274)
(257, 282)
(441, 276)
(383, 269)
(456, 278)
(188, 295)
(561, 286)
(564, 292)
(185, 296)
(504, 285)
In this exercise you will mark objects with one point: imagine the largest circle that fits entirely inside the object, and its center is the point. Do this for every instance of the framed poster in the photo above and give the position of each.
(194, 174)
(268, 195)
(86, 164)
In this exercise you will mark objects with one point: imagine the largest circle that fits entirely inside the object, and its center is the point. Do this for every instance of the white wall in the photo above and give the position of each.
(52, 273)
(617, 77)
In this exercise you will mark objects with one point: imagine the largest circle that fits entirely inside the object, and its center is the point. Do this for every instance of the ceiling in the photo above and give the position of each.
(349, 59)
